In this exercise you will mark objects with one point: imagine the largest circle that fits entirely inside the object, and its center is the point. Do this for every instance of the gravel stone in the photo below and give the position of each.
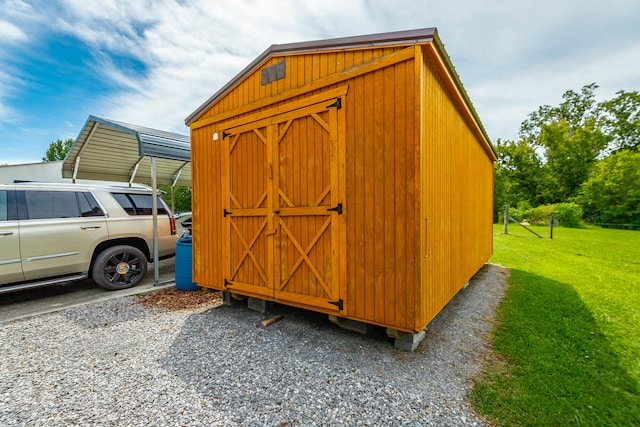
(118, 363)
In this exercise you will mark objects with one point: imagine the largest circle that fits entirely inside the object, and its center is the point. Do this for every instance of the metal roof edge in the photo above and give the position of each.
(414, 36)
(75, 141)
(68, 157)
(142, 130)
(118, 126)
(224, 89)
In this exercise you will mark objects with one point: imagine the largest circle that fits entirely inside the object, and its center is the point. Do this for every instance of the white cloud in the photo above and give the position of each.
(191, 50)
(7, 113)
(511, 56)
(503, 103)
(17, 9)
(9, 33)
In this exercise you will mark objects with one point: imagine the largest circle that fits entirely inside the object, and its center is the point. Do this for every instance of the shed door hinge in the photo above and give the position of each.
(225, 134)
(226, 283)
(337, 104)
(336, 209)
(226, 212)
(337, 304)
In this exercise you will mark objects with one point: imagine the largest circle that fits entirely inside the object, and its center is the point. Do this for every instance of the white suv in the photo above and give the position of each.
(53, 233)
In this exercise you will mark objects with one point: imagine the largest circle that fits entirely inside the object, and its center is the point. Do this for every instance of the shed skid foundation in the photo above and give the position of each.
(259, 305)
(350, 325)
(405, 341)
(229, 298)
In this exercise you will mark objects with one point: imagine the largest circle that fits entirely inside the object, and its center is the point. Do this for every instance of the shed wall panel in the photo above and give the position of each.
(381, 149)
(457, 194)
(206, 200)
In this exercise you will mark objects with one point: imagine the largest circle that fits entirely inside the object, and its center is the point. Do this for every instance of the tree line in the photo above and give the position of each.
(580, 156)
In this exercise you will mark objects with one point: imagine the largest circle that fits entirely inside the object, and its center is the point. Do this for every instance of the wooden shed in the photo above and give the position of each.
(348, 176)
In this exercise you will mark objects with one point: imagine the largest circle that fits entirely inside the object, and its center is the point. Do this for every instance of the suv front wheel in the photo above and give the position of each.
(119, 267)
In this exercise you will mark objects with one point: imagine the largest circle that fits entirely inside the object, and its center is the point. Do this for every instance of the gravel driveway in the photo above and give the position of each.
(119, 363)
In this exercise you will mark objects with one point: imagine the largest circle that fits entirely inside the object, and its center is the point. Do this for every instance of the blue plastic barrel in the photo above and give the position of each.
(183, 265)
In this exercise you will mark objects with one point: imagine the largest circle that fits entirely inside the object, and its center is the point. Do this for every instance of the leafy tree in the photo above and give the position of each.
(57, 150)
(621, 119)
(612, 194)
(559, 147)
(517, 174)
(181, 197)
(567, 139)
(570, 155)
(575, 108)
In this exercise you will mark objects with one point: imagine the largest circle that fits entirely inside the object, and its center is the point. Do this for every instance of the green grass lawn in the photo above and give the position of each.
(567, 335)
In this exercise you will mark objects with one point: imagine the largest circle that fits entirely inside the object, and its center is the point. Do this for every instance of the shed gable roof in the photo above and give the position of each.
(424, 35)
(398, 38)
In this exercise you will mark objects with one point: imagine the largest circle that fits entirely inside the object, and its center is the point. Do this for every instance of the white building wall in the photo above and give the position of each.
(42, 172)
(38, 172)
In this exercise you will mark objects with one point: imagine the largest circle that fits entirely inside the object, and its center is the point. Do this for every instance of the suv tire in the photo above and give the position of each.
(119, 267)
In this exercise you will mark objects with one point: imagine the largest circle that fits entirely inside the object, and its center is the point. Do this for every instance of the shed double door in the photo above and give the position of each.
(282, 214)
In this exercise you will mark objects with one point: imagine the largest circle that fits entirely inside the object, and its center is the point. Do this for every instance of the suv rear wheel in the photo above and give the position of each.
(119, 267)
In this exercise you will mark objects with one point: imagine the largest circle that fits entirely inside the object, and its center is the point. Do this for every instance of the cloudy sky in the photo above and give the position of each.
(153, 62)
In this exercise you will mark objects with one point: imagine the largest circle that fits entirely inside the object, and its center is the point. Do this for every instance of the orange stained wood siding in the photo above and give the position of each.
(206, 202)
(457, 196)
(416, 178)
(381, 203)
(301, 70)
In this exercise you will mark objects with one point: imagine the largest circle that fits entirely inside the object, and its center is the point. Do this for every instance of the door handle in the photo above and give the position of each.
(90, 227)
(6, 233)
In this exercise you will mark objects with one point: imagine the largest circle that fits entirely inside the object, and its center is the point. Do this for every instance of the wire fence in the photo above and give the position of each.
(615, 225)
(553, 222)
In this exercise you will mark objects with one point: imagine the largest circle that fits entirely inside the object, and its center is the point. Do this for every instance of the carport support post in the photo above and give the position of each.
(156, 268)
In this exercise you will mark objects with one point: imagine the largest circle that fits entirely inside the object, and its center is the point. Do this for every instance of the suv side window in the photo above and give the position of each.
(60, 204)
(8, 205)
(88, 205)
(4, 206)
(125, 202)
(51, 204)
(139, 204)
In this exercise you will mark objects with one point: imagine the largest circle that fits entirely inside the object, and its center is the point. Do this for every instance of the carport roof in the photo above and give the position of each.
(108, 150)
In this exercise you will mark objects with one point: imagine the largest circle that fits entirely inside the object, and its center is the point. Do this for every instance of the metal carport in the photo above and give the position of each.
(108, 150)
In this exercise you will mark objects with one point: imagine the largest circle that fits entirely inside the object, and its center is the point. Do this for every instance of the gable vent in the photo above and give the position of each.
(274, 72)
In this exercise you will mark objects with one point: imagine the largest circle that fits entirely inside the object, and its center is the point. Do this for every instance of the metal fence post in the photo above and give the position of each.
(506, 219)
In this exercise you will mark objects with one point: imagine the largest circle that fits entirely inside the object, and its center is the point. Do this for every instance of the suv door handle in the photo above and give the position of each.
(90, 227)
(6, 233)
